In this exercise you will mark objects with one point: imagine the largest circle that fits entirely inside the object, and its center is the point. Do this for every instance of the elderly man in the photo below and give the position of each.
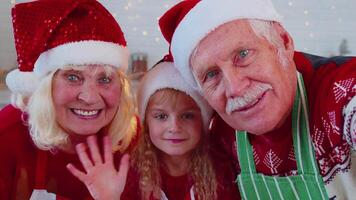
(285, 145)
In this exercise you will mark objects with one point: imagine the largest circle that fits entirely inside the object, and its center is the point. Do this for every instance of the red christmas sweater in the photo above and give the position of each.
(25, 170)
(21, 177)
(331, 89)
(181, 187)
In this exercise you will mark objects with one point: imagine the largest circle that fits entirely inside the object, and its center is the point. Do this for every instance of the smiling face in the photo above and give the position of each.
(86, 98)
(174, 123)
(243, 79)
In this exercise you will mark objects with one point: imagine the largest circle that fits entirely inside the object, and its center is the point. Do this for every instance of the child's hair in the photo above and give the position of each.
(146, 159)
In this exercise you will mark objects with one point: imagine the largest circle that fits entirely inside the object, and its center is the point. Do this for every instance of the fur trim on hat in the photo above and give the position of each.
(82, 53)
(165, 75)
(208, 15)
(22, 82)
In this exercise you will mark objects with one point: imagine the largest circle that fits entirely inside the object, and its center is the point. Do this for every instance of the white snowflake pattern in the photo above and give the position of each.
(318, 138)
(255, 156)
(324, 166)
(328, 130)
(272, 161)
(332, 118)
(341, 88)
(291, 155)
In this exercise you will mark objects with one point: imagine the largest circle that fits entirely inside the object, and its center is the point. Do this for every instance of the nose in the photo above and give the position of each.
(89, 94)
(174, 125)
(235, 81)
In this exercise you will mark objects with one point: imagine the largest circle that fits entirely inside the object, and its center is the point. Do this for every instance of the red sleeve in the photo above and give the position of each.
(331, 91)
(14, 143)
(222, 145)
(223, 154)
(132, 188)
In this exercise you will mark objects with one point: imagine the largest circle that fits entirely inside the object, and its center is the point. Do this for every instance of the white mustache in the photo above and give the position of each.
(250, 96)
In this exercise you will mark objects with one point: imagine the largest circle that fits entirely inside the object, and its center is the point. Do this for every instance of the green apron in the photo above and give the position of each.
(308, 184)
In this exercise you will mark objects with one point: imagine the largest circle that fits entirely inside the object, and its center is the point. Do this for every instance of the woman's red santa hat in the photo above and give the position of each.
(188, 22)
(50, 34)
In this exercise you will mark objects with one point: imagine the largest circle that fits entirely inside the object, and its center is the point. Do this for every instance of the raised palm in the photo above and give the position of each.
(100, 177)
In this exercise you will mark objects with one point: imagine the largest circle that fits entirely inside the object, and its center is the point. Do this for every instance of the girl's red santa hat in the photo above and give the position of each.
(188, 22)
(165, 76)
(50, 34)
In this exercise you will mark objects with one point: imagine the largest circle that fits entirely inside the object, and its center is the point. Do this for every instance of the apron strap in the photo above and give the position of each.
(244, 153)
(303, 148)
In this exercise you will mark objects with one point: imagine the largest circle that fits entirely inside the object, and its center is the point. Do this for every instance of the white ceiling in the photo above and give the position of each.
(318, 26)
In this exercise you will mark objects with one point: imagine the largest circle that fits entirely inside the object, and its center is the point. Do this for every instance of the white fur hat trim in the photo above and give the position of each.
(165, 75)
(206, 16)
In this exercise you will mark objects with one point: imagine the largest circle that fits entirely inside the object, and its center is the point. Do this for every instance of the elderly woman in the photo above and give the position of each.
(70, 84)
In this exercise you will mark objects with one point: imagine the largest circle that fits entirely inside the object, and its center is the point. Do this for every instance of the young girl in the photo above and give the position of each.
(171, 160)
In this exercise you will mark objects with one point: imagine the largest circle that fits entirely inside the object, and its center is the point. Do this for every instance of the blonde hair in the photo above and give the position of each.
(19, 101)
(46, 133)
(145, 159)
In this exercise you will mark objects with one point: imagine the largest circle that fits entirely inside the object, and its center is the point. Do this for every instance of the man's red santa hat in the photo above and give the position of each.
(50, 34)
(188, 22)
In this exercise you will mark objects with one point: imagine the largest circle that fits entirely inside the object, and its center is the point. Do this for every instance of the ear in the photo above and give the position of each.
(286, 38)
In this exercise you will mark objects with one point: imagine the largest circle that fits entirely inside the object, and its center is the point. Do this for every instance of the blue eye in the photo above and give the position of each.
(244, 53)
(188, 115)
(211, 74)
(105, 80)
(73, 78)
(161, 116)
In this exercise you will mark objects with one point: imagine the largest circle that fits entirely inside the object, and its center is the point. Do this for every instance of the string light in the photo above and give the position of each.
(290, 3)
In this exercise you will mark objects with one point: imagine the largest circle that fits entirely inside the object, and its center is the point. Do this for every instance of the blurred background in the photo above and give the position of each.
(322, 27)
